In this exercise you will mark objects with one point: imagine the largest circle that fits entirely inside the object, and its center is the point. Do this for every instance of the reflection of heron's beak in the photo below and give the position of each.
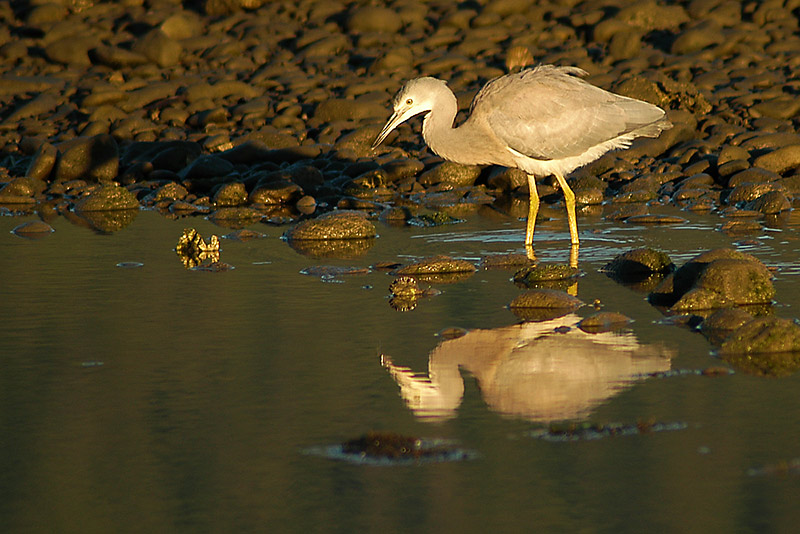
(397, 118)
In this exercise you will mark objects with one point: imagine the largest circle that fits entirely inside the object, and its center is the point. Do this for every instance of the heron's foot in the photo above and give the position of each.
(529, 252)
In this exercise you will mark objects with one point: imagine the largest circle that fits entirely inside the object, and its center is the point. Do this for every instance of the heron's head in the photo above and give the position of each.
(415, 97)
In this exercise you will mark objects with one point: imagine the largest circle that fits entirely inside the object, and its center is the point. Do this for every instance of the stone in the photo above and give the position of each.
(107, 198)
(90, 158)
(333, 225)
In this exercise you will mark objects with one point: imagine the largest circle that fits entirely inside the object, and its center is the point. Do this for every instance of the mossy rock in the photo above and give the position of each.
(437, 265)
(333, 225)
(764, 346)
(545, 273)
(107, 198)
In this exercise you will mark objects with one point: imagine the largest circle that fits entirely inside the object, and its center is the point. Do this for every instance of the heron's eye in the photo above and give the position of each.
(409, 102)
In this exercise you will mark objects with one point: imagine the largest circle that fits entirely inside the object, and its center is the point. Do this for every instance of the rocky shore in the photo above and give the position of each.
(250, 110)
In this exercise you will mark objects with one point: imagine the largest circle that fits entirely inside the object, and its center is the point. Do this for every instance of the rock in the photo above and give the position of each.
(276, 192)
(719, 278)
(544, 304)
(374, 19)
(333, 225)
(156, 46)
(107, 198)
(533, 274)
(772, 202)
(764, 346)
(780, 160)
(205, 167)
(717, 326)
(43, 162)
(235, 217)
(604, 322)
(93, 158)
(230, 194)
(33, 230)
(22, 187)
(451, 173)
(437, 265)
(639, 263)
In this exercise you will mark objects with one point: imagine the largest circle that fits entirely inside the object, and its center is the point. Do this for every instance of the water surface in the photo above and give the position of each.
(162, 399)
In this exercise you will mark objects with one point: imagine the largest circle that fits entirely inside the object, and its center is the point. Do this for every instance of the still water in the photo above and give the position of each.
(160, 399)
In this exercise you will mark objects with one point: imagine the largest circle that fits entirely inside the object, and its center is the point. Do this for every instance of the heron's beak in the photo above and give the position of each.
(394, 121)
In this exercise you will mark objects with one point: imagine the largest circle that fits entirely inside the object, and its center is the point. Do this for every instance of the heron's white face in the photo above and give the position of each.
(414, 98)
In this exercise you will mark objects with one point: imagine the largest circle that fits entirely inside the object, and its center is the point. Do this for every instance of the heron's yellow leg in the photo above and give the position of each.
(533, 209)
(569, 200)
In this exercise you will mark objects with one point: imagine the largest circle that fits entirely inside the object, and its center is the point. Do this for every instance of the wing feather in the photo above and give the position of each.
(547, 113)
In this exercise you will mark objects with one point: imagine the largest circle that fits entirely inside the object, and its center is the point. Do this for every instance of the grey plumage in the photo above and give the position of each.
(545, 120)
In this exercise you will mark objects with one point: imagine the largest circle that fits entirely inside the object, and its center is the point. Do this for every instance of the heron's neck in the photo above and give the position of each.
(437, 127)
(462, 144)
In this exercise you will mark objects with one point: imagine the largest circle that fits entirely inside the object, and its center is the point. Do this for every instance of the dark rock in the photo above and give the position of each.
(717, 326)
(534, 274)
(271, 192)
(772, 202)
(639, 263)
(23, 187)
(205, 167)
(93, 158)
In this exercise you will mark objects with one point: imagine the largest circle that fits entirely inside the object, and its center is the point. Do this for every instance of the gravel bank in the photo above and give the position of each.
(271, 109)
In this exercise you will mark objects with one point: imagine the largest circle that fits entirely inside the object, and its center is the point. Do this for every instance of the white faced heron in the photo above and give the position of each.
(544, 120)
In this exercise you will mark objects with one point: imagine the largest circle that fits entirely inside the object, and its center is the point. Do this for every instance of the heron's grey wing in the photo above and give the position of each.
(547, 114)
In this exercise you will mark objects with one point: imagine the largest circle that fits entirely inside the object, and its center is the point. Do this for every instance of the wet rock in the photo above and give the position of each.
(270, 192)
(22, 187)
(33, 230)
(235, 217)
(764, 346)
(655, 219)
(93, 158)
(437, 265)
(604, 322)
(334, 225)
(107, 198)
(772, 202)
(451, 173)
(752, 175)
(535, 274)
(639, 263)
(750, 191)
(504, 261)
(719, 278)
(719, 325)
(193, 250)
(548, 299)
(169, 191)
(230, 194)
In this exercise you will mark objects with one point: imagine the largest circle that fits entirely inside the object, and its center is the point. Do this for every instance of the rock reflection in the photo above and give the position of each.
(547, 371)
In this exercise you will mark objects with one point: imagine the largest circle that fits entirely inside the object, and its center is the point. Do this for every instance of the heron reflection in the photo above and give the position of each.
(545, 371)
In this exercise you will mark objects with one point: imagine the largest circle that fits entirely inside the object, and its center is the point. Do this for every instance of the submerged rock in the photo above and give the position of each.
(764, 346)
(33, 230)
(538, 305)
(535, 274)
(604, 322)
